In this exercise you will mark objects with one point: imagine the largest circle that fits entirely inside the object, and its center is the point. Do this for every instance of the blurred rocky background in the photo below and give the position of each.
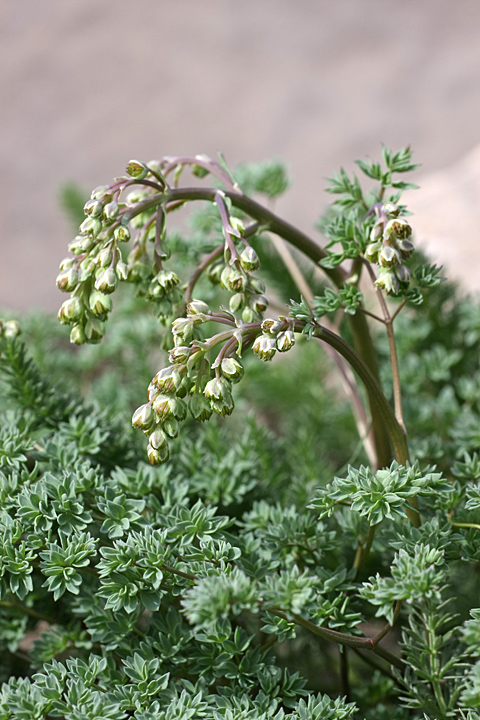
(85, 86)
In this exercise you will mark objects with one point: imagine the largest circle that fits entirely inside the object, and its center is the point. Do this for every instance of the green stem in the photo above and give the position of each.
(372, 386)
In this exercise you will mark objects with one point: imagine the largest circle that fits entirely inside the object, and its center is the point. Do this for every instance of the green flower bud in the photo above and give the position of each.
(389, 256)
(167, 280)
(91, 226)
(397, 229)
(137, 170)
(157, 439)
(171, 427)
(101, 192)
(223, 407)
(77, 335)
(272, 327)
(285, 340)
(104, 257)
(81, 244)
(179, 354)
(237, 226)
(218, 393)
(214, 272)
(257, 285)
(372, 251)
(93, 208)
(388, 281)
(144, 417)
(67, 280)
(99, 303)
(87, 268)
(406, 248)
(182, 329)
(249, 315)
(231, 369)
(155, 291)
(198, 307)
(391, 209)
(106, 281)
(94, 330)
(199, 407)
(71, 311)
(217, 388)
(168, 380)
(237, 302)
(167, 406)
(249, 259)
(157, 457)
(67, 263)
(122, 233)
(236, 281)
(403, 273)
(265, 347)
(110, 212)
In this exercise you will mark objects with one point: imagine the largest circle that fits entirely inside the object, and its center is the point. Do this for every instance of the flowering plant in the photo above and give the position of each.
(221, 569)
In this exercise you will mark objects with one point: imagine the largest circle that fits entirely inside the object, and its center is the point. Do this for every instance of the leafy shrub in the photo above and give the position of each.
(304, 558)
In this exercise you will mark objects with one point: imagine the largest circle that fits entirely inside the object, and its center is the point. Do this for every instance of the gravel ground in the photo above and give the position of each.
(87, 85)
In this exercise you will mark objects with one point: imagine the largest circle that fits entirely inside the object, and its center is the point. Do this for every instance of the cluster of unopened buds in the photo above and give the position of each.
(187, 385)
(389, 245)
(276, 335)
(93, 274)
(191, 385)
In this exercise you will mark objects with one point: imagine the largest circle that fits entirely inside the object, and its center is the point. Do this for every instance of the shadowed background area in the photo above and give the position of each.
(86, 86)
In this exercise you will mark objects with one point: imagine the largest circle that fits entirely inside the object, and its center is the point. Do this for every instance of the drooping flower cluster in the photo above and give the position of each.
(93, 274)
(389, 245)
(189, 384)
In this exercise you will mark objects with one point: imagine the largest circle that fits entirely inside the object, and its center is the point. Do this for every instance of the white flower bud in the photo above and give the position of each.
(93, 208)
(231, 369)
(249, 259)
(157, 439)
(372, 251)
(285, 340)
(71, 311)
(389, 256)
(67, 280)
(265, 347)
(91, 226)
(77, 335)
(144, 417)
(272, 327)
(110, 212)
(104, 257)
(157, 457)
(106, 281)
(198, 307)
(100, 192)
(99, 303)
